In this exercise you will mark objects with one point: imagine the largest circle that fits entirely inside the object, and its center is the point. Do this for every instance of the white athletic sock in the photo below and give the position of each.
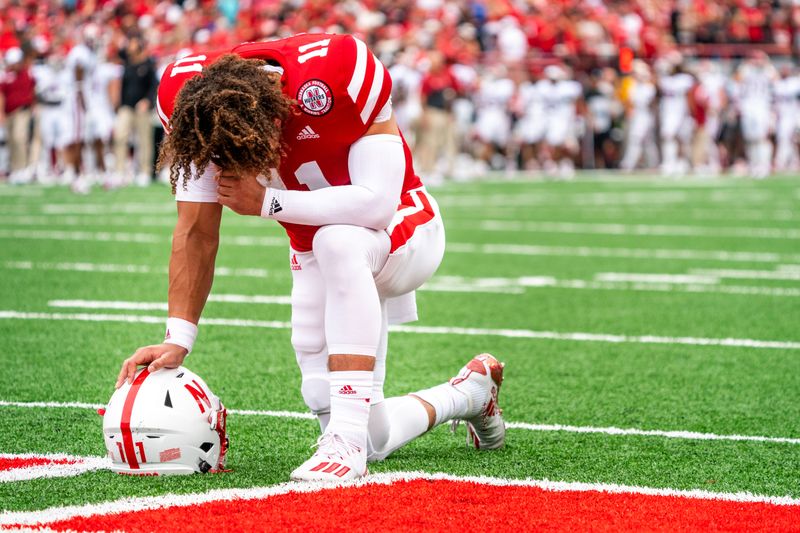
(450, 402)
(404, 418)
(351, 392)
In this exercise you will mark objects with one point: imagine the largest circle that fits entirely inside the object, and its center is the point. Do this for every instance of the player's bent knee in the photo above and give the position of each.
(341, 245)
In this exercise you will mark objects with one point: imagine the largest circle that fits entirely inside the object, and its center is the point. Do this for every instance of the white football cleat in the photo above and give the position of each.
(480, 381)
(334, 460)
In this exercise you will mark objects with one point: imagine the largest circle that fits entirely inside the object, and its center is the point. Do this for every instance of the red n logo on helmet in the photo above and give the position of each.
(199, 394)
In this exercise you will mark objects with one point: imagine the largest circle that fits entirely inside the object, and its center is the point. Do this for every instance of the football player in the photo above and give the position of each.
(755, 79)
(301, 130)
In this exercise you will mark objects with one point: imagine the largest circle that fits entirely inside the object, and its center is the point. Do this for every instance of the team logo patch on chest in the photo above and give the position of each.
(315, 98)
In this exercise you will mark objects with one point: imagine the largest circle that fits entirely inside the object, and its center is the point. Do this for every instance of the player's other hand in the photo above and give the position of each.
(156, 356)
(243, 194)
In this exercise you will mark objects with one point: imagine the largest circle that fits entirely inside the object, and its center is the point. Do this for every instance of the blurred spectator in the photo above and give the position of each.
(450, 96)
(134, 116)
(787, 93)
(17, 95)
(640, 124)
(436, 142)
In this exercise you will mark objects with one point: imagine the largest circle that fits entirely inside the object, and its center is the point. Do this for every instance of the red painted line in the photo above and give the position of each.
(125, 423)
(13, 463)
(425, 505)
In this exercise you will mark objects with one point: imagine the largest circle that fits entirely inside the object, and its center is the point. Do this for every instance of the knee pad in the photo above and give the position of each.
(341, 248)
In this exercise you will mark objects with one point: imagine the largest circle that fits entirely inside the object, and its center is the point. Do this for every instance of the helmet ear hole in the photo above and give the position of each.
(206, 446)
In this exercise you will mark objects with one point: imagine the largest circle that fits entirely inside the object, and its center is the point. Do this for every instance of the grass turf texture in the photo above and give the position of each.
(669, 387)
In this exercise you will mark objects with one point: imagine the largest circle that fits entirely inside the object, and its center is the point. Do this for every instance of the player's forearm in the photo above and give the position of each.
(348, 204)
(191, 273)
(191, 267)
(377, 166)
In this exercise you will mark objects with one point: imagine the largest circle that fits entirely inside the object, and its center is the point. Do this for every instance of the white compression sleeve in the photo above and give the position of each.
(377, 167)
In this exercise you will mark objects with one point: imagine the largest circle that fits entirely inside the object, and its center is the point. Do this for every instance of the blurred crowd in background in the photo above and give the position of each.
(681, 86)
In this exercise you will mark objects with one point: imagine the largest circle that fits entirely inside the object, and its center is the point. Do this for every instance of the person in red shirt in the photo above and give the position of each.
(16, 100)
(301, 130)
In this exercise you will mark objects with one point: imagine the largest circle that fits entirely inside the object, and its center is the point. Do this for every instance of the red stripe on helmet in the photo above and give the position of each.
(125, 423)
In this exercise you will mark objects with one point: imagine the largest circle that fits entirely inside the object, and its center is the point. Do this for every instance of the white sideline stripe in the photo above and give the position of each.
(471, 248)
(81, 465)
(688, 435)
(43, 220)
(109, 209)
(149, 503)
(96, 406)
(519, 285)
(443, 283)
(781, 274)
(430, 330)
(685, 435)
(628, 253)
(681, 279)
(148, 238)
(126, 269)
(162, 306)
(636, 229)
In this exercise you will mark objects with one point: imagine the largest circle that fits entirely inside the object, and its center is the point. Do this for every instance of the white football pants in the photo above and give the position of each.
(344, 294)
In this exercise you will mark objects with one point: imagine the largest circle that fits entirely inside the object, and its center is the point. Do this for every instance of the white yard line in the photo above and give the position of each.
(779, 274)
(654, 282)
(162, 306)
(519, 286)
(633, 229)
(59, 220)
(627, 253)
(525, 426)
(141, 208)
(163, 501)
(430, 330)
(144, 238)
(455, 247)
(676, 279)
(77, 465)
(125, 269)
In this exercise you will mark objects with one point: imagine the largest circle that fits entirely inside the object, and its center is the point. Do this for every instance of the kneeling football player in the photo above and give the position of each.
(301, 131)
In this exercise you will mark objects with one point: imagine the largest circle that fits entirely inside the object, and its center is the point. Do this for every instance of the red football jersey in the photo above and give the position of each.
(340, 87)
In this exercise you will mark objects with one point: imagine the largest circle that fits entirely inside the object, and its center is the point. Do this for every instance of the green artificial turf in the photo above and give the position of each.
(669, 387)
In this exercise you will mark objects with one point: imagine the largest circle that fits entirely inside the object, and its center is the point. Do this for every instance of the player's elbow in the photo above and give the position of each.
(380, 214)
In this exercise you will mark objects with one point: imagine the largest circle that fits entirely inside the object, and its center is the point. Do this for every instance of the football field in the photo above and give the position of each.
(650, 330)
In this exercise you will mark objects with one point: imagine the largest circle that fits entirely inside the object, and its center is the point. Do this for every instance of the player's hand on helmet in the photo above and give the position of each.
(157, 356)
(243, 194)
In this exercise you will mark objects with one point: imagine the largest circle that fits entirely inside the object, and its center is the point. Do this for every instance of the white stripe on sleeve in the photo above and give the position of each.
(357, 81)
(375, 91)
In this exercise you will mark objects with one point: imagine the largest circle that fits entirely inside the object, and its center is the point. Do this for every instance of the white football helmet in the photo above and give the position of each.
(166, 422)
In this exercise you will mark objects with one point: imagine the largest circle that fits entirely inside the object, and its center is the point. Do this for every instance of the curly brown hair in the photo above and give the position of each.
(232, 115)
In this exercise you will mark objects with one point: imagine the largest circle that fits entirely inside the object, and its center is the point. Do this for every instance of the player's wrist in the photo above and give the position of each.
(181, 333)
(271, 205)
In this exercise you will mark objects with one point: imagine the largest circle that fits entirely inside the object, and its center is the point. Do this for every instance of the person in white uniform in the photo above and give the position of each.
(531, 124)
(641, 117)
(787, 92)
(104, 88)
(493, 123)
(755, 78)
(561, 97)
(674, 120)
(52, 122)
